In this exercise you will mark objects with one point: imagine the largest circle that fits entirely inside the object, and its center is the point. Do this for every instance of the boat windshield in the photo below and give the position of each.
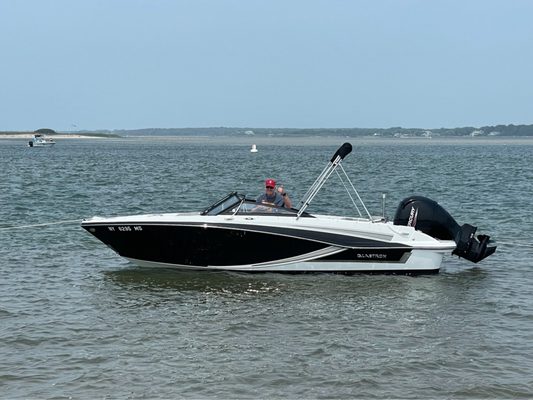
(235, 203)
(232, 199)
(250, 207)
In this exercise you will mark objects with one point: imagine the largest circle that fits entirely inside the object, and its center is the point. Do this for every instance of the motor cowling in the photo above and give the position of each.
(428, 216)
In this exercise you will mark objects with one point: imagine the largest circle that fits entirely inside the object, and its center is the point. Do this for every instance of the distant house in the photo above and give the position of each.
(477, 132)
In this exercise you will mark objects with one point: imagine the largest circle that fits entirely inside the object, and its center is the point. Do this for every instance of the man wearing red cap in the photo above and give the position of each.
(278, 198)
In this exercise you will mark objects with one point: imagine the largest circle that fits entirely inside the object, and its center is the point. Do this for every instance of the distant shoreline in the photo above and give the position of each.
(29, 135)
(287, 140)
(243, 133)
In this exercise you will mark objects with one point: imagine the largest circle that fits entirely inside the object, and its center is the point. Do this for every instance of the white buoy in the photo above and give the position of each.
(253, 149)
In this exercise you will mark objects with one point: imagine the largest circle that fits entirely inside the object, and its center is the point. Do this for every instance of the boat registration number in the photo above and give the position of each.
(124, 228)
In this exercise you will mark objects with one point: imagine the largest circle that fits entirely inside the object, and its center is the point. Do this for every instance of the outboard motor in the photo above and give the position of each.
(428, 216)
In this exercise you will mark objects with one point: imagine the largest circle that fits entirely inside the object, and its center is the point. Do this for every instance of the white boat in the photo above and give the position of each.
(40, 140)
(253, 149)
(238, 234)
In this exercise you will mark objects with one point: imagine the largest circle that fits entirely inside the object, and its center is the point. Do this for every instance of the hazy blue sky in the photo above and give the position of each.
(113, 64)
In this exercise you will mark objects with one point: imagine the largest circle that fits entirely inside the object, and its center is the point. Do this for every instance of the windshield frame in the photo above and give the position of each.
(225, 203)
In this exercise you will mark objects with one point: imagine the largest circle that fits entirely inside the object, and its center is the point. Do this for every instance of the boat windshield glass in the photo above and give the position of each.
(232, 199)
(235, 203)
(251, 207)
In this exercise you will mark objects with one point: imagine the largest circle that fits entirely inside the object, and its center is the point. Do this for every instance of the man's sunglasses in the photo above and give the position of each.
(270, 187)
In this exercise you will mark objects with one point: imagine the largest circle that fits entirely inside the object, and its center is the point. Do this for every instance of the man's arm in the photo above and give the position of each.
(286, 199)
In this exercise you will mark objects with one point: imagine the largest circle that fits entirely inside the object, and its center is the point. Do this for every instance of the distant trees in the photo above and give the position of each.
(397, 131)
(45, 131)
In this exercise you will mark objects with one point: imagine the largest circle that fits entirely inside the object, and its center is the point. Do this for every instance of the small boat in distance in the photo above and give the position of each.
(238, 234)
(253, 149)
(40, 140)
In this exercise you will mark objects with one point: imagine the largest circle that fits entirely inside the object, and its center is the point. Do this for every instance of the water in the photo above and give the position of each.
(77, 321)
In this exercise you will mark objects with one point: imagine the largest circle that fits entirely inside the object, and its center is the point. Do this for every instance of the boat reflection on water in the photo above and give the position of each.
(183, 281)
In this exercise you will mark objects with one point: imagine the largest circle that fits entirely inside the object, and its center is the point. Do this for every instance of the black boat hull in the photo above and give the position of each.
(239, 247)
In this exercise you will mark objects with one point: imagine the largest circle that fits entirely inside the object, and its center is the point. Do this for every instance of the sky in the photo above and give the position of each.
(131, 64)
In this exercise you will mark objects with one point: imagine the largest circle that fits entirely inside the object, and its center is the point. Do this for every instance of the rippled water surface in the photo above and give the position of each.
(77, 321)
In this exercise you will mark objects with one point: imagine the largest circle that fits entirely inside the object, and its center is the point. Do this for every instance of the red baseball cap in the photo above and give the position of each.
(270, 182)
